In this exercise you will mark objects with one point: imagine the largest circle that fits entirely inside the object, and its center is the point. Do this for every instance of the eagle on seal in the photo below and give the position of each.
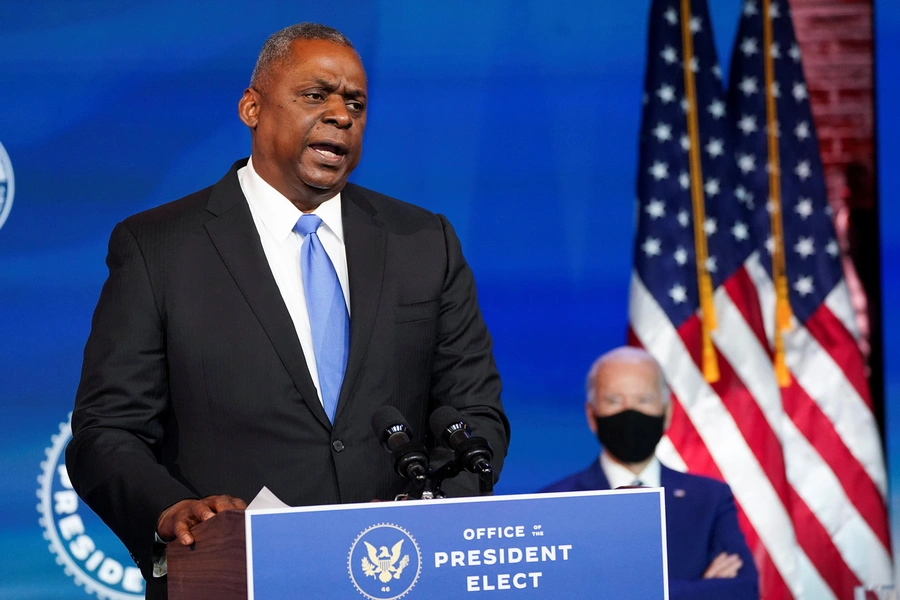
(381, 563)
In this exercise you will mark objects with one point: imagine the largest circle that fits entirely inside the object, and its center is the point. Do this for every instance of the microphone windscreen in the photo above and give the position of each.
(442, 418)
(387, 416)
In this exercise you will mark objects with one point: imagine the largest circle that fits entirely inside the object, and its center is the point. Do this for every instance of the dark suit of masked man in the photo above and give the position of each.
(199, 383)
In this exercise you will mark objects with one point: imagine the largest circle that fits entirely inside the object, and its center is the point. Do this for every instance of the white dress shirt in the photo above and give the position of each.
(275, 217)
(619, 475)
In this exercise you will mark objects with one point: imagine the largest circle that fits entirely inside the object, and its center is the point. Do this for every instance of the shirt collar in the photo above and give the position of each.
(278, 214)
(619, 475)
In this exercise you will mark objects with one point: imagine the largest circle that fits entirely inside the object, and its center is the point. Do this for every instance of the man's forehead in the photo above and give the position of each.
(614, 369)
(327, 71)
(325, 53)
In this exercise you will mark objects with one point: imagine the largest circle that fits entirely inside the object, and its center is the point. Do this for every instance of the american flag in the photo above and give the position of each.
(738, 292)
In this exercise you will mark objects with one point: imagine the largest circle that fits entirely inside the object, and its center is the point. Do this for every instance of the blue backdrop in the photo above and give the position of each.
(517, 119)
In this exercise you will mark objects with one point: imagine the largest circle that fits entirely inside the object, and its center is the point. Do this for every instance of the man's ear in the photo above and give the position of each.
(589, 415)
(248, 108)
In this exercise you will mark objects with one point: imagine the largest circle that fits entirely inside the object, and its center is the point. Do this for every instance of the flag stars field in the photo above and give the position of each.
(749, 46)
(659, 170)
(805, 247)
(804, 208)
(678, 294)
(666, 93)
(671, 16)
(696, 24)
(651, 247)
(715, 148)
(749, 86)
(740, 232)
(747, 124)
(669, 55)
(662, 132)
(744, 197)
(656, 208)
(804, 285)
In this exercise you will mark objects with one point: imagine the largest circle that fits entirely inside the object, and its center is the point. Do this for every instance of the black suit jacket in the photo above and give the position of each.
(194, 382)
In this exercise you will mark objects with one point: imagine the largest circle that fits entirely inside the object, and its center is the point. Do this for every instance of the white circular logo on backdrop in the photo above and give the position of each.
(87, 550)
(7, 185)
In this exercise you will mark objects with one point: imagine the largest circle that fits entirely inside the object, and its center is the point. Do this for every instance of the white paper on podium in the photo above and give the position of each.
(265, 499)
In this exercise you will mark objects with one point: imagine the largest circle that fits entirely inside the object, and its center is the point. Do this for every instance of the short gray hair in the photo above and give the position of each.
(626, 354)
(277, 48)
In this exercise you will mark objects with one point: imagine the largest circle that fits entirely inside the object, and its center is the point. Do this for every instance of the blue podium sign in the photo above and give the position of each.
(608, 544)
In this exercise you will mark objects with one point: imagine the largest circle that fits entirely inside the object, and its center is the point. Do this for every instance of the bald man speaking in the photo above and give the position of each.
(628, 409)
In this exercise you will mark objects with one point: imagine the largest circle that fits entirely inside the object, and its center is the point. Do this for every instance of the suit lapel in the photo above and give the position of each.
(234, 235)
(365, 240)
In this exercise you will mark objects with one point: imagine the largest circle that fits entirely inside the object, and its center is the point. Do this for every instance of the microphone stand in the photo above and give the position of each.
(486, 481)
(430, 487)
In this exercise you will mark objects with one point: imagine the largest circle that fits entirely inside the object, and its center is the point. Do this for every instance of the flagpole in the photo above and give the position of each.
(779, 270)
(704, 282)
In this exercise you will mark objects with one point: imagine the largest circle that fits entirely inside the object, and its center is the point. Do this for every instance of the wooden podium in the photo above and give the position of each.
(215, 566)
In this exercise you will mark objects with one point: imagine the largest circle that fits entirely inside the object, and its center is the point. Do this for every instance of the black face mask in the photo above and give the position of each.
(630, 435)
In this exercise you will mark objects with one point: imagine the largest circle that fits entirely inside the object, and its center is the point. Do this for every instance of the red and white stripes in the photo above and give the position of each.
(804, 462)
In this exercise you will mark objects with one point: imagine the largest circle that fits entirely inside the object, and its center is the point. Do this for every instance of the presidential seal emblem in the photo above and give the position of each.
(7, 185)
(384, 562)
(87, 550)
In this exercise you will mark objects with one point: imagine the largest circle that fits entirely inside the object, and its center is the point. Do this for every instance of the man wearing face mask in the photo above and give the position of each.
(628, 409)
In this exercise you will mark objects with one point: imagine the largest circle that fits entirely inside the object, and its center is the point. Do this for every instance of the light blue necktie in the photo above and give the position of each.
(328, 318)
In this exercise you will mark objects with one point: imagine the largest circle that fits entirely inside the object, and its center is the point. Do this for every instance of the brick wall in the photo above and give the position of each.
(835, 39)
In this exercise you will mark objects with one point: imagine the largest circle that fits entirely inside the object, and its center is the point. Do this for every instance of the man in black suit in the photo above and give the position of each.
(203, 378)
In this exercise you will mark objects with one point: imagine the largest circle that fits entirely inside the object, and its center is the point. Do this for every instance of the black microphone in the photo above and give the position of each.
(473, 454)
(391, 429)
